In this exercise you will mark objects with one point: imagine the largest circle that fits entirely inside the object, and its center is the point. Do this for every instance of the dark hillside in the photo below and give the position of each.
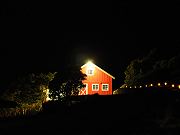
(146, 111)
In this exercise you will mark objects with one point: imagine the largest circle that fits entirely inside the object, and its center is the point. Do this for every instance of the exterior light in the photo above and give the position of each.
(134, 86)
(90, 68)
(172, 85)
(159, 84)
(130, 87)
(90, 64)
(146, 85)
(179, 86)
(140, 86)
(151, 84)
(165, 83)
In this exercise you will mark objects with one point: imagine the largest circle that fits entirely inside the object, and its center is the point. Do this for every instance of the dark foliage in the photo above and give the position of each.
(7, 104)
(27, 88)
(66, 82)
(156, 66)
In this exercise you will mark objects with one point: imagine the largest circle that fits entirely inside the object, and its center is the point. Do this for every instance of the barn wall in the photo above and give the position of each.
(100, 78)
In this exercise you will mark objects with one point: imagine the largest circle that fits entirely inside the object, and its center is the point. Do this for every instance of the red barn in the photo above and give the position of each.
(97, 81)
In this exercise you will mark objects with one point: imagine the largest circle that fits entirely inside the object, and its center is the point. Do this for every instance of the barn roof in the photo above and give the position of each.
(98, 68)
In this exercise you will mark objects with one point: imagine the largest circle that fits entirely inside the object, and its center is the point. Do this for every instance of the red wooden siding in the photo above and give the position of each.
(99, 77)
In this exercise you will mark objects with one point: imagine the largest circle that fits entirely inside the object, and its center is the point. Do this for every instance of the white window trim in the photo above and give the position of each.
(107, 85)
(95, 84)
(86, 88)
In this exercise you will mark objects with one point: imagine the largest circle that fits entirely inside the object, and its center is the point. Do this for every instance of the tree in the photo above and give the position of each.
(140, 68)
(28, 88)
(132, 72)
(152, 68)
(66, 83)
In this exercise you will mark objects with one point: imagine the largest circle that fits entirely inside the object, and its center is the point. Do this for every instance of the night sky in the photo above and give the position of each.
(37, 36)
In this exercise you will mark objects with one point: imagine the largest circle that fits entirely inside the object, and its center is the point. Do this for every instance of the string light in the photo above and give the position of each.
(159, 84)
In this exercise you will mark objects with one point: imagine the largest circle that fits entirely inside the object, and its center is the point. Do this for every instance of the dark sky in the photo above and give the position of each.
(37, 36)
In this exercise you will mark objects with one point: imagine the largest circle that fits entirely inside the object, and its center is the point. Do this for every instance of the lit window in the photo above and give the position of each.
(105, 87)
(95, 87)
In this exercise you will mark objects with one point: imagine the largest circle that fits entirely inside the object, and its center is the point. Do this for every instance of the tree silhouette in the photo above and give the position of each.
(28, 88)
(66, 83)
(152, 68)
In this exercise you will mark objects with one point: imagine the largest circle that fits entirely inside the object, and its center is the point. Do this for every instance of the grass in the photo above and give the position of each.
(146, 112)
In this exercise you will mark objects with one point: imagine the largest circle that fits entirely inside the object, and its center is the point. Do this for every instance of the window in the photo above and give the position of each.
(90, 68)
(90, 72)
(105, 87)
(95, 87)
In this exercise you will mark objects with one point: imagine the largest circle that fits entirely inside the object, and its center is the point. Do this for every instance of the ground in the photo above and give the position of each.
(144, 113)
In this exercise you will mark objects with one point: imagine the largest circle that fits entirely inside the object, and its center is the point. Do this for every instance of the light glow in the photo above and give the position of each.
(159, 84)
(90, 65)
(90, 68)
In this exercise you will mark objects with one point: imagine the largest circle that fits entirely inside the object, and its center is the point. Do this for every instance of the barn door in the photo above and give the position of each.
(84, 91)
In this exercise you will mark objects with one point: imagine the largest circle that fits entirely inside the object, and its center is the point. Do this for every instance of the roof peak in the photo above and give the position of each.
(89, 63)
